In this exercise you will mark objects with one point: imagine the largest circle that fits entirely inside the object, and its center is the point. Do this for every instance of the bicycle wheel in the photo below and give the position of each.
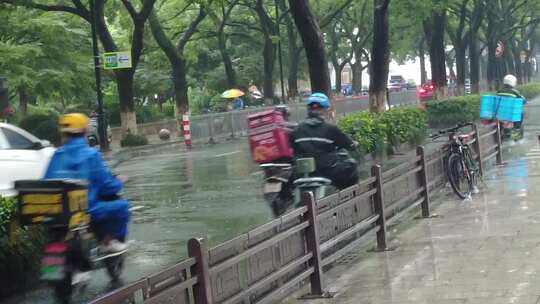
(471, 164)
(461, 180)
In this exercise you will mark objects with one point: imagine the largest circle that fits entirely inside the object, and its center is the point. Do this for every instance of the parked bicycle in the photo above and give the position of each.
(459, 164)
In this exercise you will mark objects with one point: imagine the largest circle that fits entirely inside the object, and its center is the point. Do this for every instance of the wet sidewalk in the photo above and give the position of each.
(482, 251)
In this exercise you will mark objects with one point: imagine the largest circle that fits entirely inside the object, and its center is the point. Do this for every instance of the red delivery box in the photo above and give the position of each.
(268, 138)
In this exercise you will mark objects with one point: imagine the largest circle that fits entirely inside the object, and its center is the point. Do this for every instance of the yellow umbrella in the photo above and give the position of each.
(232, 93)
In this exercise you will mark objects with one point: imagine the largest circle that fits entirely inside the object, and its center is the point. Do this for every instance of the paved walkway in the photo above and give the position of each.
(482, 251)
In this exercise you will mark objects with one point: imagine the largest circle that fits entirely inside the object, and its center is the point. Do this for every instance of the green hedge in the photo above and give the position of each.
(452, 111)
(132, 140)
(43, 126)
(530, 90)
(374, 131)
(19, 252)
(7, 210)
(405, 125)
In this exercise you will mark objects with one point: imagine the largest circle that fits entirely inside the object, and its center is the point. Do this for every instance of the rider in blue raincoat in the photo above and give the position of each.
(76, 160)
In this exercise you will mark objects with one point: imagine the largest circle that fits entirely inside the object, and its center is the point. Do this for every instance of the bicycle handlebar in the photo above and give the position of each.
(440, 133)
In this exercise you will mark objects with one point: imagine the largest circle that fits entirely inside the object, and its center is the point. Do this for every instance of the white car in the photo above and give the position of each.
(22, 156)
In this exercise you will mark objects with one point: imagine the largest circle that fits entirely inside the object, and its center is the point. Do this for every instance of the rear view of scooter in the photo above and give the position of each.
(70, 250)
(283, 183)
(319, 186)
(278, 187)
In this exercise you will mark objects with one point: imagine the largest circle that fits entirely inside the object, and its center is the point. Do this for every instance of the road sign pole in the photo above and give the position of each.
(102, 128)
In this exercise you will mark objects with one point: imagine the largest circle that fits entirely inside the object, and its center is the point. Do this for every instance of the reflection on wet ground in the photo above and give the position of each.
(214, 193)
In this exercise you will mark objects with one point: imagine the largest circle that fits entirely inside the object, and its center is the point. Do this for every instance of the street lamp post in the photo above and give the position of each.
(280, 53)
(102, 128)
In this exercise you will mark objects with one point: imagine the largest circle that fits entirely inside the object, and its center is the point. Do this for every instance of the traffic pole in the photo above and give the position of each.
(102, 129)
(186, 130)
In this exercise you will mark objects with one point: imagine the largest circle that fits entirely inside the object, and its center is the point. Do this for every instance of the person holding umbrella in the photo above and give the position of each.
(234, 95)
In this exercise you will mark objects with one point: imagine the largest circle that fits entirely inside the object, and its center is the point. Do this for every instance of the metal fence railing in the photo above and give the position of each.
(272, 261)
(234, 123)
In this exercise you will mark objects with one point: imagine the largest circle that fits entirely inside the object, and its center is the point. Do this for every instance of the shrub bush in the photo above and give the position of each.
(43, 126)
(7, 210)
(19, 253)
(453, 111)
(42, 109)
(169, 109)
(150, 113)
(367, 129)
(145, 114)
(132, 140)
(530, 90)
(374, 131)
(405, 125)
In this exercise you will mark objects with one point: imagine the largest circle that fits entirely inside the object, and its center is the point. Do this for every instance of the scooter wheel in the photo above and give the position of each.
(114, 266)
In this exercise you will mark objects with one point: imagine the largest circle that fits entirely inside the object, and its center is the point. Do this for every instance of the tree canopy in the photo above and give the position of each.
(186, 52)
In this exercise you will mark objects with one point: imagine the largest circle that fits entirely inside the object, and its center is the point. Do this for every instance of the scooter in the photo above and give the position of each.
(281, 187)
(71, 248)
(278, 189)
(93, 133)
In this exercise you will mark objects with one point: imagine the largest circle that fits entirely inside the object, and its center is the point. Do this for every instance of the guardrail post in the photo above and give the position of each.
(231, 113)
(197, 249)
(478, 149)
(312, 242)
(499, 144)
(186, 130)
(211, 129)
(379, 207)
(420, 151)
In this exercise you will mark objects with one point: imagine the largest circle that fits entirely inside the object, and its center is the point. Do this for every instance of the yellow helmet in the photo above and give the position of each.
(73, 123)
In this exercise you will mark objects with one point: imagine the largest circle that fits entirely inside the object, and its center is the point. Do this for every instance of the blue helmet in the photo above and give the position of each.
(320, 99)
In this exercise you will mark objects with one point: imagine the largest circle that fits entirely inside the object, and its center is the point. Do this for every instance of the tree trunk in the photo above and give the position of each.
(461, 66)
(515, 59)
(537, 68)
(357, 77)
(492, 76)
(229, 70)
(269, 29)
(124, 80)
(23, 101)
(269, 59)
(160, 104)
(422, 55)
(474, 58)
(509, 58)
(175, 56)
(492, 40)
(310, 32)
(435, 34)
(294, 63)
(338, 70)
(180, 87)
(380, 58)
(293, 54)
